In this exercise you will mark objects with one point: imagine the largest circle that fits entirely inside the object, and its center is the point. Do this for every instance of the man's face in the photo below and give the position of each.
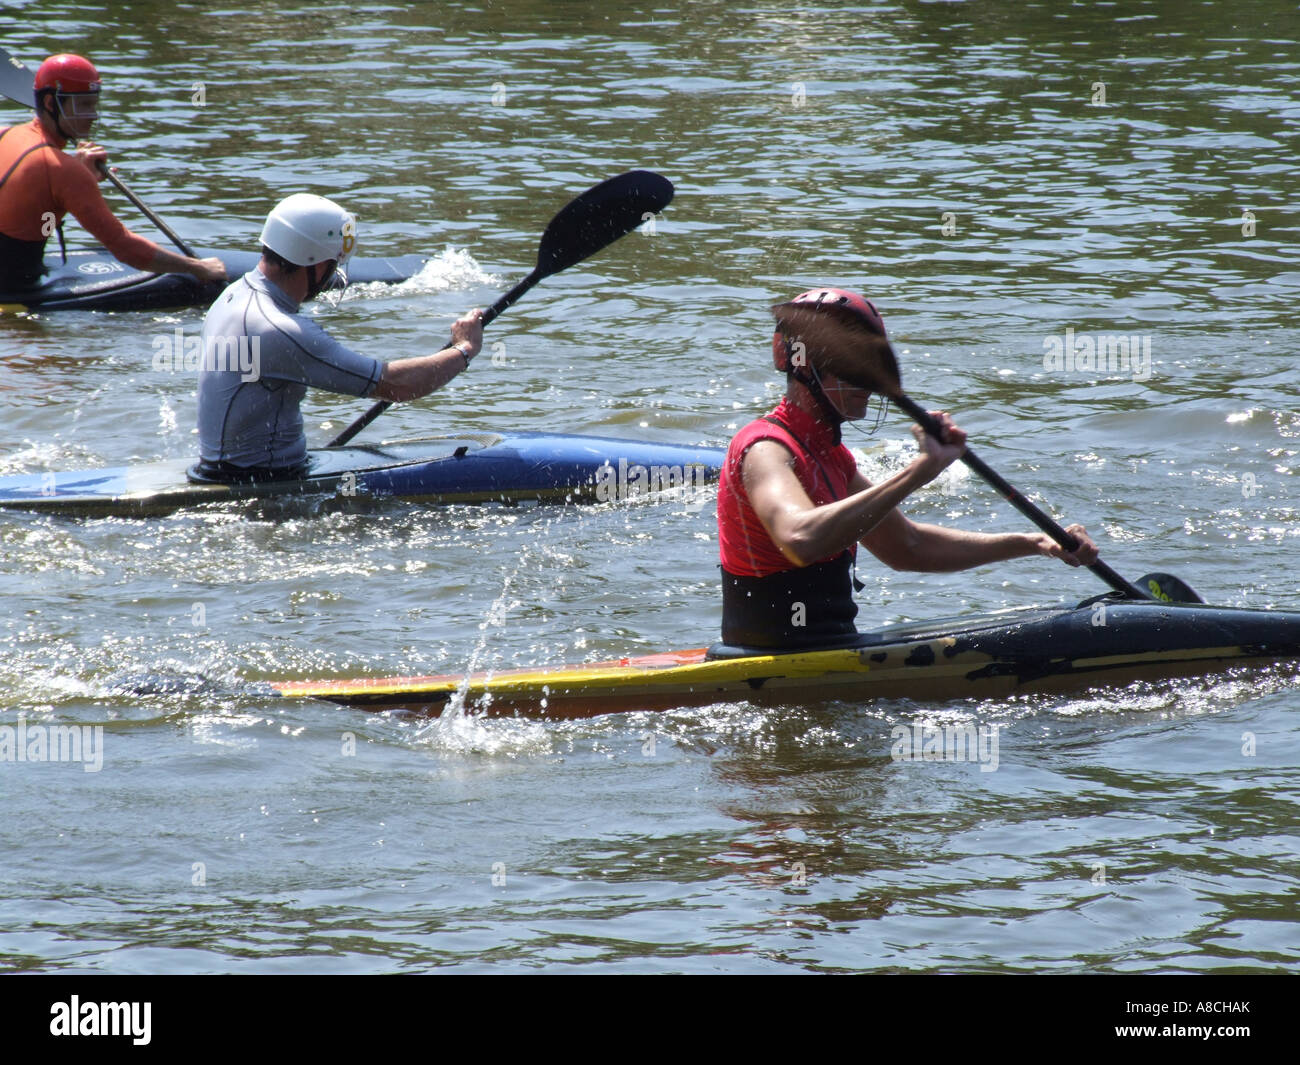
(77, 112)
(850, 400)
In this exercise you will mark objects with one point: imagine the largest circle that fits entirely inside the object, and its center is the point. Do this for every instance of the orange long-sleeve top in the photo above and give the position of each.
(42, 180)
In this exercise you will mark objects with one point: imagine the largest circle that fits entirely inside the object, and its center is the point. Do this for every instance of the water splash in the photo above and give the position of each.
(452, 269)
(464, 725)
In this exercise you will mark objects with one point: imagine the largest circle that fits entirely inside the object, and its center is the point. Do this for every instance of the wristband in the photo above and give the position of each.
(463, 353)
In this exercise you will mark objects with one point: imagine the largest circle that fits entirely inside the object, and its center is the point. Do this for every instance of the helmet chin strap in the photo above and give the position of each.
(814, 385)
(317, 284)
(335, 287)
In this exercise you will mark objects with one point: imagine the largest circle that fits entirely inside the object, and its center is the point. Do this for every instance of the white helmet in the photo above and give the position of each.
(306, 230)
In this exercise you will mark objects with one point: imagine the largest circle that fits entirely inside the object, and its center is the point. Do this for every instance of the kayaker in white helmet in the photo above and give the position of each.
(793, 507)
(250, 425)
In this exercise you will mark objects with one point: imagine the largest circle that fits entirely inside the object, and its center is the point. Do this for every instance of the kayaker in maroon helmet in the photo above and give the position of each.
(793, 507)
(40, 183)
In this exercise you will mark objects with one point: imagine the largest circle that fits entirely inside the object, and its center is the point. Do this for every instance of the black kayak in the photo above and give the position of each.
(95, 281)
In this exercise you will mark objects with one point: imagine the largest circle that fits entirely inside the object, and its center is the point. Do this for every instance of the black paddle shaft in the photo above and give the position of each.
(185, 249)
(1008, 492)
(587, 223)
(379, 408)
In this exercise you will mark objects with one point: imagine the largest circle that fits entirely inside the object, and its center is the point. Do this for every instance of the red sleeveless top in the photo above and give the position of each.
(824, 468)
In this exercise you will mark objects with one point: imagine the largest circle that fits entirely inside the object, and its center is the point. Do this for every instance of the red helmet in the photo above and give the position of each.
(67, 74)
(861, 308)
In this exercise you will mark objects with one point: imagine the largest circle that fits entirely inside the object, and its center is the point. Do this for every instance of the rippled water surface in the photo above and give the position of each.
(993, 174)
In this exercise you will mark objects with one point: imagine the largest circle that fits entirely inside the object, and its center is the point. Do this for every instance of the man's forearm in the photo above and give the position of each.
(940, 550)
(806, 535)
(168, 262)
(408, 379)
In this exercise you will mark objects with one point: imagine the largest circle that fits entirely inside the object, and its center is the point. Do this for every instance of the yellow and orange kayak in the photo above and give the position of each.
(1026, 650)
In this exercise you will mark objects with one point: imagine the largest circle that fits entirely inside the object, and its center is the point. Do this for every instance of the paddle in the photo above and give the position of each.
(1167, 587)
(837, 340)
(111, 174)
(586, 224)
(16, 83)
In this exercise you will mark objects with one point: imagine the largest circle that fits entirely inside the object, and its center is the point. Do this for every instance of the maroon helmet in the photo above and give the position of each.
(859, 306)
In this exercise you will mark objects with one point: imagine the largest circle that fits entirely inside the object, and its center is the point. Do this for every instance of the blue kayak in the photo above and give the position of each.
(470, 468)
(95, 281)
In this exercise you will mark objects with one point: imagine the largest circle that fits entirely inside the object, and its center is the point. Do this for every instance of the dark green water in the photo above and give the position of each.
(956, 162)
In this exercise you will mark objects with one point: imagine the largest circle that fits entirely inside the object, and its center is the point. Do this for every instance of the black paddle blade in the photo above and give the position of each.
(600, 216)
(838, 341)
(1168, 588)
(16, 81)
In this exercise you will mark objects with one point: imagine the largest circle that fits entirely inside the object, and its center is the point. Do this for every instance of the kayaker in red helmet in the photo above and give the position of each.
(40, 183)
(793, 507)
